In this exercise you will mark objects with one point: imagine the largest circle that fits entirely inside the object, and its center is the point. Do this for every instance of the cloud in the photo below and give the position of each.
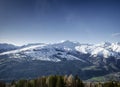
(116, 35)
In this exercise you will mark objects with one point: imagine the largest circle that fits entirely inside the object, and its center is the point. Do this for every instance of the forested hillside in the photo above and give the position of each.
(58, 81)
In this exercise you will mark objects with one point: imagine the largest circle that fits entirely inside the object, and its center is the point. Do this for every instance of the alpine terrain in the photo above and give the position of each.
(89, 61)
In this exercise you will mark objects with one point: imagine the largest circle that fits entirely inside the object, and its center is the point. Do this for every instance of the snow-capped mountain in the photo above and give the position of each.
(105, 50)
(64, 50)
(66, 57)
(46, 52)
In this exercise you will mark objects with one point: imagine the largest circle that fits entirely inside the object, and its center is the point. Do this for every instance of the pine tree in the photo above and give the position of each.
(109, 84)
(21, 83)
(43, 82)
(60, 82)
(78, 82)
(51, 81)
(32, 82)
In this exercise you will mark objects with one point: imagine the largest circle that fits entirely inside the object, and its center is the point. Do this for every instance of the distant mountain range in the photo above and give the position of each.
(86, 60)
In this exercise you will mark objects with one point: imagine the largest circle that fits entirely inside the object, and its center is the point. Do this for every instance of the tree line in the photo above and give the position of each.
(58, 81)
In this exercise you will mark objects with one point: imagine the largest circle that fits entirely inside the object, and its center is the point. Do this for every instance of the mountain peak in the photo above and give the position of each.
(68, 42)
(103, 44)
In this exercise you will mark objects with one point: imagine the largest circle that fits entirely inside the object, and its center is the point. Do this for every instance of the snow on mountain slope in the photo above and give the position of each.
(85, 49)
(64, 50)
(115, 47)
(99, 51)
(45, 52)
(104, 49)
(7, 47)
(66, 45)
(22, 49)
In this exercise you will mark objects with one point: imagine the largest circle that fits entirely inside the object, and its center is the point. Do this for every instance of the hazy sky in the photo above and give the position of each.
(86, 21)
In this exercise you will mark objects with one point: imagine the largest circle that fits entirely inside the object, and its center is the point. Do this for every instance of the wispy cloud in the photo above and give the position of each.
(116, 35)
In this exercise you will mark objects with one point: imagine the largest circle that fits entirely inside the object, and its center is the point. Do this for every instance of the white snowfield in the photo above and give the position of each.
(47, 52)
(104, 49)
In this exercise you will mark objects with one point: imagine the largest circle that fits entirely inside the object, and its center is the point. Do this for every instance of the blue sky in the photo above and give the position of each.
(49, 21)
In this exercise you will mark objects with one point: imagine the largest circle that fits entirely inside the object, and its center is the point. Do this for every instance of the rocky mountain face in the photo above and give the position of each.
(86, 60)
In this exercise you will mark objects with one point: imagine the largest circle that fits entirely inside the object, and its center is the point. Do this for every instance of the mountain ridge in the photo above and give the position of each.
(85, 60)
(104, 49)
